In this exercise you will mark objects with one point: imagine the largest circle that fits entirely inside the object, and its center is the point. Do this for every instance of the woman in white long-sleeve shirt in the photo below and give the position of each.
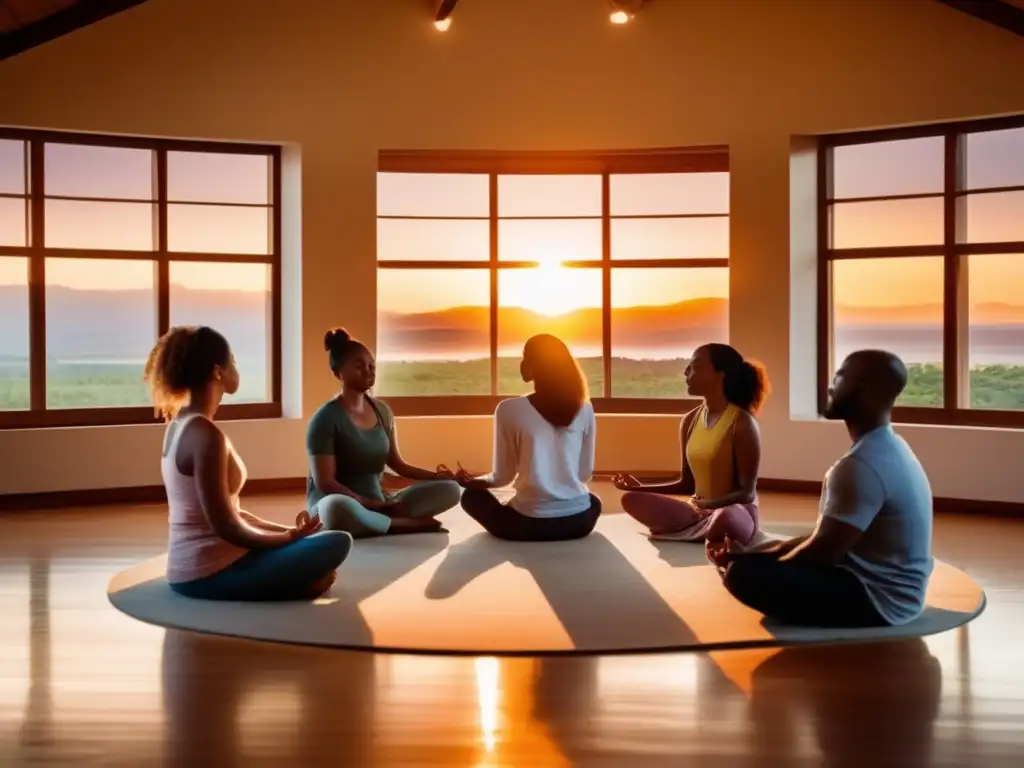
(544, 447)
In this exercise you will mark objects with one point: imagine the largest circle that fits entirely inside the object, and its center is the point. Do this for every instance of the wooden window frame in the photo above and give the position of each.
(494, 164)
(955, 410)
(38, 415)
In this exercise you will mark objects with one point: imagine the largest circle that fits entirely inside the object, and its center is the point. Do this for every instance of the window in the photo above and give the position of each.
(105, 242)
(624, 256)
(922, 254)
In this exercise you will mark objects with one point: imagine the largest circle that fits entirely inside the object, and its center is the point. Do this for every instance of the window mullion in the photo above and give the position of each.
(606, 283)
(163, 266)
(955, 376)
(37, 276)
(493, 272)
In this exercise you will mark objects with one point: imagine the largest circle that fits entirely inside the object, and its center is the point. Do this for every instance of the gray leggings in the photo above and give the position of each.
(343, 513)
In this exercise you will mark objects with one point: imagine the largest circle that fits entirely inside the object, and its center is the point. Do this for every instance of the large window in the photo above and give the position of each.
(105, 242)
(623, 256)
(922, 254)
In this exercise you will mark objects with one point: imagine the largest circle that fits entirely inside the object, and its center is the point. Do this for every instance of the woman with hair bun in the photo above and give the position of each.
(350, 440)
(721, 456)
(217, 550)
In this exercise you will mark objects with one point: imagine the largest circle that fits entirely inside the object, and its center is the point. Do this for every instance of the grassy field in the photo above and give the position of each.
(93, 385)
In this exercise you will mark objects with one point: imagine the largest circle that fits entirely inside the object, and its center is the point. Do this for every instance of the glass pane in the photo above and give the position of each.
(888, 223)
(996, 352)
(433, 332)
(433, 194)
(549, 241)
(218, 229)
(659, 316)
(13, 225)
(100, 225)
(543, 195)
(433, 240)
(215, 177)
(658, 194)
(896, 305)
(995, 217)
(12, 167)
(81, 170)
(551, 299)
(14, 344)
(699, 238)
(906, 167)
(100, 327)
(995, 159)
(235, 300)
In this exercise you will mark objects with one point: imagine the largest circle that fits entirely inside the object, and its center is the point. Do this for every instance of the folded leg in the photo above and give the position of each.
(804, 595)
(661, 514)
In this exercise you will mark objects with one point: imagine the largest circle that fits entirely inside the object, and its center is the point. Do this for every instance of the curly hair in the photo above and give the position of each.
(181, 363)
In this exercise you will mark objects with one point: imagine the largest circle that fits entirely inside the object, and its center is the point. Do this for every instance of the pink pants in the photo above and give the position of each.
(665, 514)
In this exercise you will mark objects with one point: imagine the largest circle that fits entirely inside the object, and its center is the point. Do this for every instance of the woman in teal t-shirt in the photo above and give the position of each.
(350, 440)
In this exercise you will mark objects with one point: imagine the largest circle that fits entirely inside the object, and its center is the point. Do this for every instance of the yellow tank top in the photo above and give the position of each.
(709, 453)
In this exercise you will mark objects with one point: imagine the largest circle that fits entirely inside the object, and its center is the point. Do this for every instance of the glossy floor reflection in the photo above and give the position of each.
(81, 683)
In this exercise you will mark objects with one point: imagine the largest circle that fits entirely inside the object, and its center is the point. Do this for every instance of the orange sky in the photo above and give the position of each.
(550, 289)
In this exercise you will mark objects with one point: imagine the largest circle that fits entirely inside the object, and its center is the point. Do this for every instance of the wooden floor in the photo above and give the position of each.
(82, 684)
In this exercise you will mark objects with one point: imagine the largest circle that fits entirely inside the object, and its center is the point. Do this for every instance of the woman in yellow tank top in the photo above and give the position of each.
(721, 454)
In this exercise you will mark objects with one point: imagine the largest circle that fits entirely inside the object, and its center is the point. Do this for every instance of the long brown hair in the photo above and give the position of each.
(559, 387)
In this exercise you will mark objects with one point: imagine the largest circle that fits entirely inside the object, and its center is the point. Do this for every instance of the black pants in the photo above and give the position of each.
(803, 595)
(504, 522)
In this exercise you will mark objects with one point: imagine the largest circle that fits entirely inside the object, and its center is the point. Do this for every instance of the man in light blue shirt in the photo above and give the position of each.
(869, 558)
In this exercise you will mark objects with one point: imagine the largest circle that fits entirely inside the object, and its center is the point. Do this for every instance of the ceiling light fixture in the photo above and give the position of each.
(624, 11)
(443, 17)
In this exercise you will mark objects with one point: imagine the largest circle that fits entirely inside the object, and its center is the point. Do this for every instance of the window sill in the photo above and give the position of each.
(117, 417)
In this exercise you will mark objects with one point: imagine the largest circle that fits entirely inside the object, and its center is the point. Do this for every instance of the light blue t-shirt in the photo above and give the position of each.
(880, 488)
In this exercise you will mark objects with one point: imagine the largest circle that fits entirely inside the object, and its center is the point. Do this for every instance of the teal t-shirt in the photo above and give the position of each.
(360, 455)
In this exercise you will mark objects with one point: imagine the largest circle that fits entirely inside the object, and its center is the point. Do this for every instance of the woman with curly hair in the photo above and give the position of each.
(217, 550)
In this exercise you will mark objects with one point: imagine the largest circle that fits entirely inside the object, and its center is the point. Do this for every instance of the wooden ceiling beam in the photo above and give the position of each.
(61, 23)
(995, 12)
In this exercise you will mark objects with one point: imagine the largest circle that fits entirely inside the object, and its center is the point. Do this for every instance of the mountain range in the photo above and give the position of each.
(121, 324)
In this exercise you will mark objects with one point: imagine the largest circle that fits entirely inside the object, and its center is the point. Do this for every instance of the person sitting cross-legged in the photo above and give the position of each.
(869, 559)
(544, 445)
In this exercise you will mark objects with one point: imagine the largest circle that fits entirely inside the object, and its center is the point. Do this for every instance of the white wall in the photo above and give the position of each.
(521, 74)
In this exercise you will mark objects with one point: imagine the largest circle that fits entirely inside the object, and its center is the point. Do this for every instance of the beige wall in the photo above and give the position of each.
(522, 74)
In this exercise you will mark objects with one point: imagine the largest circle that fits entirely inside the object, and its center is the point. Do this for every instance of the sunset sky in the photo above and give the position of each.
(908, 167)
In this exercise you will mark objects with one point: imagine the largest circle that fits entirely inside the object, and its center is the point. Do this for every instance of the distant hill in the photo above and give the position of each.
(121, 324)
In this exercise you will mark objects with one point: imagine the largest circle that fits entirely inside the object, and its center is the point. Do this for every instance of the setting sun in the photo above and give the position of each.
(551, 289)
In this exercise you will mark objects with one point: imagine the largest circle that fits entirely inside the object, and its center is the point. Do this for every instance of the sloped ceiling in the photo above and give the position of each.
(24, 24)
(1005, 14)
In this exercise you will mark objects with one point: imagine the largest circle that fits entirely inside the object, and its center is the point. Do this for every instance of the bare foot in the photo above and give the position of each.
(322, 585)
(401, 525)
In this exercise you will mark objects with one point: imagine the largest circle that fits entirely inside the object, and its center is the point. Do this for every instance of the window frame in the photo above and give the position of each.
(955, 409)
(38, 415)
(708, 159)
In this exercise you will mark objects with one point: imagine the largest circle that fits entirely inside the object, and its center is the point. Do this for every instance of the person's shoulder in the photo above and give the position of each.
(326, 412)
(510, 405)
(746, 420)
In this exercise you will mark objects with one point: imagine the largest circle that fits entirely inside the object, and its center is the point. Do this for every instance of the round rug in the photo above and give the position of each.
(467, 593)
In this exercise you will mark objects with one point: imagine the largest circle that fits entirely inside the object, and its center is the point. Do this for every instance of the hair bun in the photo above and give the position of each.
(335, 336)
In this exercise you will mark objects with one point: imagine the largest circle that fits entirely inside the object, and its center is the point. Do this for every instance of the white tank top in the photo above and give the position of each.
(194, 549)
